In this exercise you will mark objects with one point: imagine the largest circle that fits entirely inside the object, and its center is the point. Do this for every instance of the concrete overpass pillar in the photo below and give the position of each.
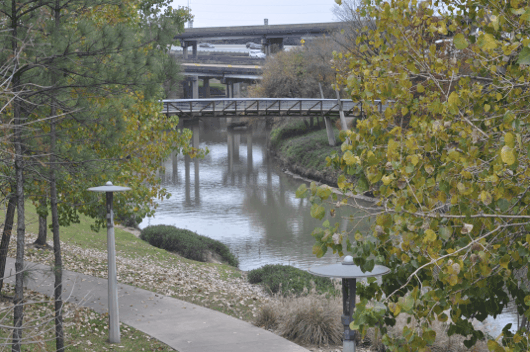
(195, 87)
(236, 90)
(184, 51)
(206, 87)
(194, 47)
(186, 88)
(229, 89)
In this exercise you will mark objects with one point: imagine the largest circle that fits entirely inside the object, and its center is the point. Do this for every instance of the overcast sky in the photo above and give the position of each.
(221, 13)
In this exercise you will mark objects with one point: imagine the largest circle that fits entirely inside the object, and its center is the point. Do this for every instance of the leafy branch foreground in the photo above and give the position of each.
(448, 162)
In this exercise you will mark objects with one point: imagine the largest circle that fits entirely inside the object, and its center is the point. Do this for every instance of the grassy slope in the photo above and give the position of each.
(86, 330)
(304, 151)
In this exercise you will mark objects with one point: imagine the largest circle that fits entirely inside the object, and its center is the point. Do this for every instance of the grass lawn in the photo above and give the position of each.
(216, 286)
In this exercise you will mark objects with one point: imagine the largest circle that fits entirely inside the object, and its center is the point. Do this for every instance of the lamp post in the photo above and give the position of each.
(114, 318)
(349, 273)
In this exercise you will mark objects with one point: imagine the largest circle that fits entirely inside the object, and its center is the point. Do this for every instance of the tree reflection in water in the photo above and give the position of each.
(241, 197)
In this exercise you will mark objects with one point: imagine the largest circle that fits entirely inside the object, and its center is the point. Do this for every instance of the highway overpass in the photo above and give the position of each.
(233, 75)
(269, 35)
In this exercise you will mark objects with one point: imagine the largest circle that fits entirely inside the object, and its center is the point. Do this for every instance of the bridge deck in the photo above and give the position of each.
(261, 106)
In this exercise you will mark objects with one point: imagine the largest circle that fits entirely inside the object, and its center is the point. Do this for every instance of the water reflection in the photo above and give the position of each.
(240, 197)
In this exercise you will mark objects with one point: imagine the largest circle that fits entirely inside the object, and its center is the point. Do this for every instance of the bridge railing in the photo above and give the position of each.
(262, 106)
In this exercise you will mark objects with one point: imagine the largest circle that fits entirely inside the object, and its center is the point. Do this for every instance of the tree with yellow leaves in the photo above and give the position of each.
(447, 163)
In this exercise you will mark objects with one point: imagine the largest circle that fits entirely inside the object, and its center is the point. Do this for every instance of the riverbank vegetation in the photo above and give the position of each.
(188, 244)
(286, 280)
(304, 149)
(449, 164)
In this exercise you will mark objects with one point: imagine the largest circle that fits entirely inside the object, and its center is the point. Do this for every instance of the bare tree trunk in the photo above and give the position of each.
(59, 331)
(341, 112)
(6, 236)
(58, 270)
(18, 311)
(329, 127)
(43, 226)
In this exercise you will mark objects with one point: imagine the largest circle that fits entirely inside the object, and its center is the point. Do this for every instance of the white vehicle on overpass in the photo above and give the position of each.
(257, 54)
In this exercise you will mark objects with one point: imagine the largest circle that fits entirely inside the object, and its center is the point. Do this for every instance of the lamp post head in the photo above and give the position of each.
(109, 187)
(348, 260)
(347, 270)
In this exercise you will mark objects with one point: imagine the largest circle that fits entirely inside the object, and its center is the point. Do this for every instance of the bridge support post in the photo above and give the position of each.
(194, 87)
(229, 89)
(206, 87)
(236, 90)
(186, 88)
(194, 48)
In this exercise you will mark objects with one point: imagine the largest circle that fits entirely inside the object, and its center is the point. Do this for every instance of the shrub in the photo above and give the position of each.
(285, 279)
(313, 319)
(186, 243)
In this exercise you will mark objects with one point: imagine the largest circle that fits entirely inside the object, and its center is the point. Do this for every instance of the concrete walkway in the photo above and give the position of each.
(184, 326)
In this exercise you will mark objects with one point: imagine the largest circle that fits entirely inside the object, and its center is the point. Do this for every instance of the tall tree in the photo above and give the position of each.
(93, 73)
(448, 163)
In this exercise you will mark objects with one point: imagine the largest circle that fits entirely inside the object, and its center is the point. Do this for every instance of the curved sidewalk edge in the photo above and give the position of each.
(184, 326)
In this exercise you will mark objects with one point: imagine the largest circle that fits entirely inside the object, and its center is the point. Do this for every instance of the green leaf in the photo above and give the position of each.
(407, 303)
(324, 192)
(487, 42)
(429, 336)
(524, 56)
(445, 232)
(460, 41)
(318, 211)
(362, 185)
(301, 191)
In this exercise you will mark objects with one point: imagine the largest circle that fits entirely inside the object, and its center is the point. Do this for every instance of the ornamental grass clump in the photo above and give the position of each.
(187, 244)
(267, 317)
(312, 320)
(308, 320)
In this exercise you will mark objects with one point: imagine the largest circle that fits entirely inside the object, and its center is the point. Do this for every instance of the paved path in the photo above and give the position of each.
(184, 326)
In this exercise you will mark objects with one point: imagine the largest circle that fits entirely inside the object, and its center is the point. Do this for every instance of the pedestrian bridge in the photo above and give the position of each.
(262, 106)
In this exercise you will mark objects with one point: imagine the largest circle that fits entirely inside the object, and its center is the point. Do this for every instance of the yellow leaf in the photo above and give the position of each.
(430, 236)
(454, 99)
(387, 179)
(509, 140)
(420, 88)
(507, 155)
(487, 107)
(486, 197)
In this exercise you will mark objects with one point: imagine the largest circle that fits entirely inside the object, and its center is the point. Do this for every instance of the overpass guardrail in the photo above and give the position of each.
(262, 106)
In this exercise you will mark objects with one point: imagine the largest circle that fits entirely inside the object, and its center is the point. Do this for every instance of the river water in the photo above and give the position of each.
(239, 195)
